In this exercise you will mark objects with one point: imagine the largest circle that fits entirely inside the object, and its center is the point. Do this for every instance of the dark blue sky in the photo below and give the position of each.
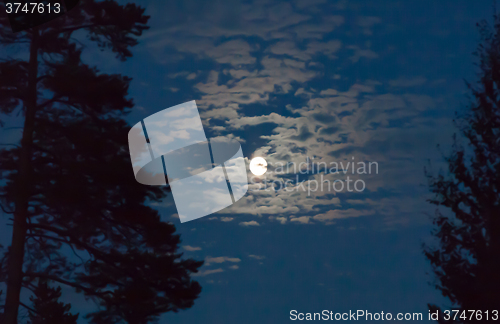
(378, 81)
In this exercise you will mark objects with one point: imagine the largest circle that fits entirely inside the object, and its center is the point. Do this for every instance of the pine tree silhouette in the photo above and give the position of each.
(467, 261)
(46, 307)
(79, 217)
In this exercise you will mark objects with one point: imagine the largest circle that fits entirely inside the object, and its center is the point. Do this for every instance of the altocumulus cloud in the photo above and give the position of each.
(191, 248)
(250, 223)
(322, 114)
(222, 259)
(204, 273)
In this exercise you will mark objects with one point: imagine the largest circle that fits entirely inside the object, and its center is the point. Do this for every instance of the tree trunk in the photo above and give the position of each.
(23, 191)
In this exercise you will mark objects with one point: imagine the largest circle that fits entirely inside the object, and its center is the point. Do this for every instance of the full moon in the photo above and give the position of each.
(258, 166)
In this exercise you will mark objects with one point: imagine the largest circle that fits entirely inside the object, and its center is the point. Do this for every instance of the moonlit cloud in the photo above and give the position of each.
(222, 259)
(191, 248)
(284, 68)
(250, 223)
(204, 273)
(301, 220)
(256, 257)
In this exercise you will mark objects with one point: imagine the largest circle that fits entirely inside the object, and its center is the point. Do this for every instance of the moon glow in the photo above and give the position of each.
(258, 166)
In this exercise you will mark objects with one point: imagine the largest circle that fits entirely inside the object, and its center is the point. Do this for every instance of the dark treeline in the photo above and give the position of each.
(79, 219)
(466, 262)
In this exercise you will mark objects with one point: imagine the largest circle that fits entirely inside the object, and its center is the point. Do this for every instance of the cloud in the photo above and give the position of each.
(217, 260)
(282, 220)
(191, 248)
(331, 215)
(222, 259)
(301, 220)
(256, 257)
(273, 80)
(250, 223)
(303, 135)
(204, 273)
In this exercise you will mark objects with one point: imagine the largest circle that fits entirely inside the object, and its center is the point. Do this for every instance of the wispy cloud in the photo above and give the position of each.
(204, 273)
(331, 215)
(222, 259)
(301, 220)
(256, 257)
(191, 248)
(250, 223)
(288, 77)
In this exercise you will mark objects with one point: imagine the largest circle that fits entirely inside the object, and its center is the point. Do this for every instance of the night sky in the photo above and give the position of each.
(328, 81)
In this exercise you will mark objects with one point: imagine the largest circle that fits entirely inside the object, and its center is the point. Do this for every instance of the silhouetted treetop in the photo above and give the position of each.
(467, 261)
(80, 219)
